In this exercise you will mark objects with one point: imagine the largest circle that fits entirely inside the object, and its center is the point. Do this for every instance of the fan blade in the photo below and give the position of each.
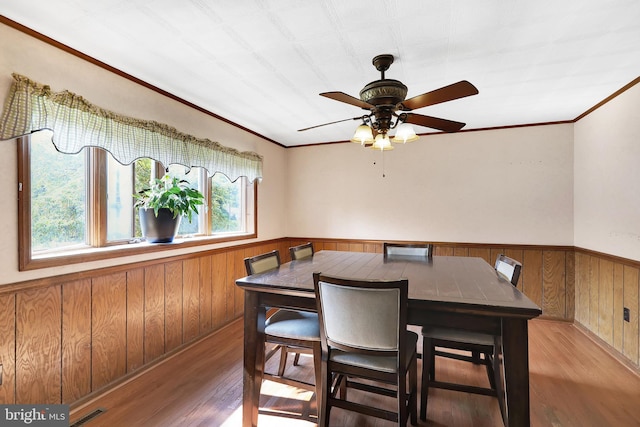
(447, 93)
(330, 123)
(434, 122)
(343, 97)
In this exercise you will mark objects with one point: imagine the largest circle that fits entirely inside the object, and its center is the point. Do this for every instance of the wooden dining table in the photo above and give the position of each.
(460, 292)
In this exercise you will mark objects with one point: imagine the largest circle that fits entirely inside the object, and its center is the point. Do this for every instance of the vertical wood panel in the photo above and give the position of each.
(375, 248)
(8, 348)
(605, 307)
(205, 294)
(153, 312)
(553, 283)
(583, 264)
(630, 339)
(38, 345)
(135, 319)
(191, 299)
(218, 288)
(236, 271)
(356, 247)
(108, 329)
(76, 340)
(172, 305)
(618, 305)
(594, 277)
(570, 285)
(483, 253)
(330, 246)
(461, 251)
(342, 246)
(532, 275)
(443, 251)
(229, 285)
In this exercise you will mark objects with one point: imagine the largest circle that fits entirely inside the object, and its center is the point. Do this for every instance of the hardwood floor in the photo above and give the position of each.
(573, 382)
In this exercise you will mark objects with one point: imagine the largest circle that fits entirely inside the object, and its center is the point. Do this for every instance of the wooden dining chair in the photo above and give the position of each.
(402, 249)
(289, 330)
(301, 251)
(424, 250)
(363, 332)
(435, 339)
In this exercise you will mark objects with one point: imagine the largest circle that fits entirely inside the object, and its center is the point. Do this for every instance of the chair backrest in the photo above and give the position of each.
(423, 250)
(508, 268)
(261, 263)
(301, 251)
(362, 316)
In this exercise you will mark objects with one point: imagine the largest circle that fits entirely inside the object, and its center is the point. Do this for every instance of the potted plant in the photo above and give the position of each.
(162, 206)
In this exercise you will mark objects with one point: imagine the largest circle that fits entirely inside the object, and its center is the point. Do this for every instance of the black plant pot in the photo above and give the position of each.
(160, 229)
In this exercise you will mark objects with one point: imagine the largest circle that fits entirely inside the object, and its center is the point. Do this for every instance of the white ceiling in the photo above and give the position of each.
(262, 63)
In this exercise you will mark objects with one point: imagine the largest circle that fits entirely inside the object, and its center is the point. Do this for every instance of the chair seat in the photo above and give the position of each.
(376, 363)
(292, 324)
(447, 334)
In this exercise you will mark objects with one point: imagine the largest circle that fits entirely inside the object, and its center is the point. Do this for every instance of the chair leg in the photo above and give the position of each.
(283, 360)
(296, 359)
(432, 366)
(475, 356)
(498, 379)
(401, 401)
(324, 407)
(427, 367)
(489, 362)
(413, 392)
(321, 387)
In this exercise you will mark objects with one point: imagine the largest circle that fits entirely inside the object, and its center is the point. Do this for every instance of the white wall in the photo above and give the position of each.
(503, 186)
(45, 64)
(607, 177)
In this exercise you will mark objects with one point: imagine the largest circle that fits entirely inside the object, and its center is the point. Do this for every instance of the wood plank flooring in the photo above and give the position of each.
(573, 382)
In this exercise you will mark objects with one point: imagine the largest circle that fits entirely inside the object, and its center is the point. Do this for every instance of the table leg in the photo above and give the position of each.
(515, 348)
(254, 318)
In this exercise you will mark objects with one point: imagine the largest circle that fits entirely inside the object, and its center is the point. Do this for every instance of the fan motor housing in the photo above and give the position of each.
(384, 92)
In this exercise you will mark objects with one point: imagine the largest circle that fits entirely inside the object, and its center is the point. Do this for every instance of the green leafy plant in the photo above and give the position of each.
(170, 193)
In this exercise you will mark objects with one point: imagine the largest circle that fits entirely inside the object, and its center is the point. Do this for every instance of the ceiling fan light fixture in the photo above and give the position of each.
(382, 143)
(363, 135)
(405, 133)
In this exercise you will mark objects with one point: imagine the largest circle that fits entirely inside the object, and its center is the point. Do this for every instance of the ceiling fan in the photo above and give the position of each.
(388, 109)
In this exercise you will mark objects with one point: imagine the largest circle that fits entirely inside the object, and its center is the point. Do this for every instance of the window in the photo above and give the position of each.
(82, 203)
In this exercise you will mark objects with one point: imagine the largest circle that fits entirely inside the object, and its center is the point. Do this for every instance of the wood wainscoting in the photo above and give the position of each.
(605, 285)
(67, 338)
(547, 271)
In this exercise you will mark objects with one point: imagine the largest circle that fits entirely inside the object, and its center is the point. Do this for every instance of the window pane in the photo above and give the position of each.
(226, 204)
(58, 195)
(194, 177)
(119, 200)
(143, 173)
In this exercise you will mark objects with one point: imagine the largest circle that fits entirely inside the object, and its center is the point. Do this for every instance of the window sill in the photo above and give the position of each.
(55, 259)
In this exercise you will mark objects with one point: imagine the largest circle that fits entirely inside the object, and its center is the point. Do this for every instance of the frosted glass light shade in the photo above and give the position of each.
(382, 143)
(363, 135)
(405, 133)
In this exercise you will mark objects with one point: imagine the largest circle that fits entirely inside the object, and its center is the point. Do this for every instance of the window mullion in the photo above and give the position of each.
(97, 197)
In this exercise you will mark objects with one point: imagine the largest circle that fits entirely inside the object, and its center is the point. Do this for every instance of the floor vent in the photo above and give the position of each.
(89, 416)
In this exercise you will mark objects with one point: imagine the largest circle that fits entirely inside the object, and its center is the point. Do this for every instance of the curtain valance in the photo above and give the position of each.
(76, 123)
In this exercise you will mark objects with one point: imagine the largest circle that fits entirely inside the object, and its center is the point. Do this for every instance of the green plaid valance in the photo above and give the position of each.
(76, 124)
